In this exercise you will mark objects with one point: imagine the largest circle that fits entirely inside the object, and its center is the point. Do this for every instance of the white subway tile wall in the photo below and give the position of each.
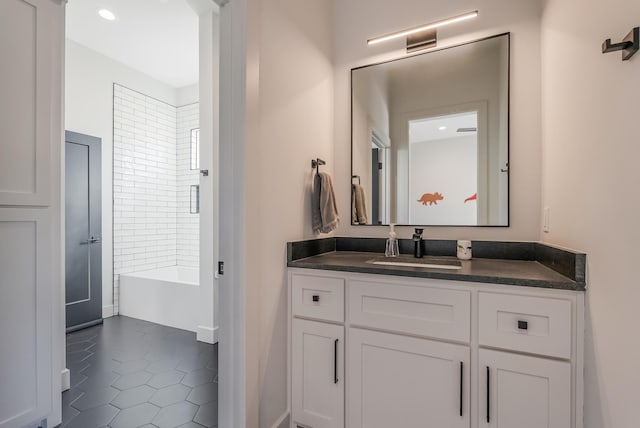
(188, 244)
(147, 206)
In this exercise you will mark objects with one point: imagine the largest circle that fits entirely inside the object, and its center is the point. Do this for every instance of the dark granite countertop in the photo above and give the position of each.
(528, 273)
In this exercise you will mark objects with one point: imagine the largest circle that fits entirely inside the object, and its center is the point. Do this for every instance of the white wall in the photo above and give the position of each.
(188, 224)
(89, 78)
(591, 176)
(144, 185)
(522, 19)
(292, 125)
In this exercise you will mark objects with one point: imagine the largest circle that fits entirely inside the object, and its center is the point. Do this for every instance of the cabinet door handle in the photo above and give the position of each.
(461, 384)
(335, 361)
(488, 395)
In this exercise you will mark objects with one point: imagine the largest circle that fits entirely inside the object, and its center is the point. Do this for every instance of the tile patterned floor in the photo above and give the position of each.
(128, 373)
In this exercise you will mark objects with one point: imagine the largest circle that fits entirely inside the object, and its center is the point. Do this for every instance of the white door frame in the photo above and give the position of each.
(233, 360)
(233, 411)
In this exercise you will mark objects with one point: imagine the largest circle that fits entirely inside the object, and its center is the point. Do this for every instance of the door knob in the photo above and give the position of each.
(92, 240)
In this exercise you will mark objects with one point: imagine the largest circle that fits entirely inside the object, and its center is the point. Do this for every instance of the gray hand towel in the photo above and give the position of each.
(324, 211)
(358, 206)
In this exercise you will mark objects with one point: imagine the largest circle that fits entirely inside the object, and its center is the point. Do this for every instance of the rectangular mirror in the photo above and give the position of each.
(430, 138)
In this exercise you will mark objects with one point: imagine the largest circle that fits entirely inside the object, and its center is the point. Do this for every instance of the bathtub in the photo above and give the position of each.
(167, 296)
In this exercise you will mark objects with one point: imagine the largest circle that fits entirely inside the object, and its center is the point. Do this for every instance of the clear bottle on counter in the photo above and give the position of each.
(392, 249)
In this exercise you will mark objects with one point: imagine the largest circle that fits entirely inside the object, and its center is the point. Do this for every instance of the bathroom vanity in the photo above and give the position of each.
(495, 343)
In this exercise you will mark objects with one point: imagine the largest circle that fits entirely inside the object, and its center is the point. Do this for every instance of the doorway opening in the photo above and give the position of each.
(443, 169)
(133, 81)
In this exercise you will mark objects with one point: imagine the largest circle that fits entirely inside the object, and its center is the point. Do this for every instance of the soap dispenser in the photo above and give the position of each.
(392, 250)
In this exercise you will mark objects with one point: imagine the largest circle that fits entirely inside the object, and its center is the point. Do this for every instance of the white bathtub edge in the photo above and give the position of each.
(207, 334)
(107, 311)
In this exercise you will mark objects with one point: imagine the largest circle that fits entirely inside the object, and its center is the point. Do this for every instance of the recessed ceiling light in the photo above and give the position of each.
(442, 128)
(107, 14)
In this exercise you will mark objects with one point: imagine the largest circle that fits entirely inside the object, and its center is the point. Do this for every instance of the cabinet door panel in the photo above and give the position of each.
(524, 392)
(318, 374)
(398, 381)
(25, 329)
(26, 43)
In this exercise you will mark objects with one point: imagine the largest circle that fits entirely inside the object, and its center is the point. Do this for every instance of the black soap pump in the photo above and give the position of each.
(417, 243)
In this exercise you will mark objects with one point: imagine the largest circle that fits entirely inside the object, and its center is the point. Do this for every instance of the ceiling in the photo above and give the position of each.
(156, 37)
(430, 129)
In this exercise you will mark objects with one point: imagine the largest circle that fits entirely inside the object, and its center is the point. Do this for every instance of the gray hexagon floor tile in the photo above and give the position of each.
(95, 397)
(132, 397)
(162, 365)
(191, 363)
(129, 367)
(122, 360)
(175, 415)
(80, 346)
(135, 416)
(68, 413)
(204, 393)
(71, 395)
(94, 418)
(132, 380)
(76, 357)
(198, 377)
(207, 415)
(170, 395)
(98, 379)
(165, 379)
(76, 378)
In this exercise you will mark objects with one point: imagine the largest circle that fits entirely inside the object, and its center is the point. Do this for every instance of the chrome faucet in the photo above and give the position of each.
(417, 243)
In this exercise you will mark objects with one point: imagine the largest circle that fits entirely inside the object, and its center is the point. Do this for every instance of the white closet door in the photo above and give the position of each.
(31, 38)
(25, 308)
(26, 41)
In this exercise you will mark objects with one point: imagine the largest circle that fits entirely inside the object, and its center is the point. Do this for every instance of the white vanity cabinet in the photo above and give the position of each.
(378, 351)
(317, 351)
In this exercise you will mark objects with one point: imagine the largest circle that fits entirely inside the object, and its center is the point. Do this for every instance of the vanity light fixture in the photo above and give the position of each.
(107, 14)
(423, 36)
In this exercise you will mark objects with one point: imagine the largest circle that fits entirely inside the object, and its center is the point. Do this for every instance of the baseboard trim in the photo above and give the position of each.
(107, 311)
(279, 423)
(66, 379)
(207, 334)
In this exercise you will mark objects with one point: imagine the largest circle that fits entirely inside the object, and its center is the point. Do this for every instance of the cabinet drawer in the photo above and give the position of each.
(538, 325)
(318, 297)
(423, 311)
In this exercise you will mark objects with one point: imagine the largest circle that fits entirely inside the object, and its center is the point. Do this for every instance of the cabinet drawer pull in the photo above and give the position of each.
(523, 325)
(315, 298)
(488, 395)
(335, 361)
(461, 384)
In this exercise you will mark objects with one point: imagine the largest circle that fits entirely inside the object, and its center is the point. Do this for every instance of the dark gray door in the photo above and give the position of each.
(83, 249)
(375, 186)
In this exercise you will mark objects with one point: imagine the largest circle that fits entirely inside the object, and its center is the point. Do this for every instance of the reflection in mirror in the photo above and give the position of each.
(430, 138)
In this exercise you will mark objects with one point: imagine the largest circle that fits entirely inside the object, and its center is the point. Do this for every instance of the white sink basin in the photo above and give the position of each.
(452, 265)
